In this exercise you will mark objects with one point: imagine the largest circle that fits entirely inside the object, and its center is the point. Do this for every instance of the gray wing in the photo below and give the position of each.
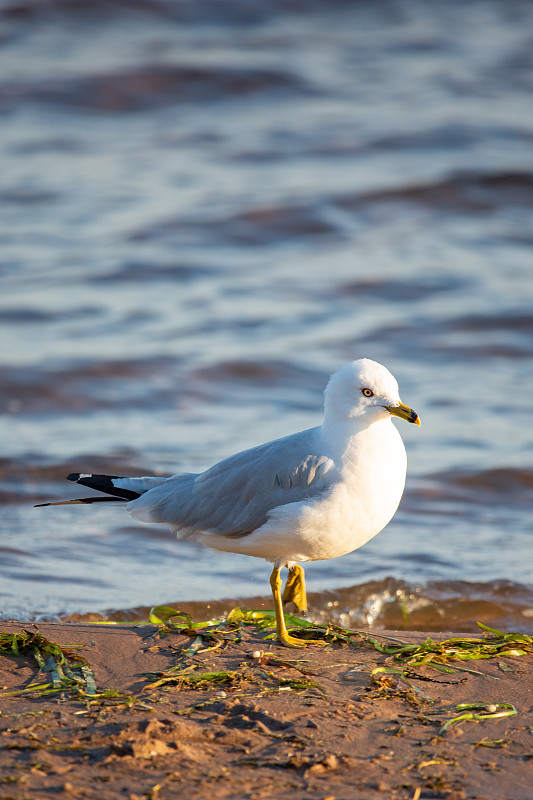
(234, 497)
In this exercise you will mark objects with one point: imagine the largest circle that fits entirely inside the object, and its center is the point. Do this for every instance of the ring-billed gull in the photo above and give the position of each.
(317, 494)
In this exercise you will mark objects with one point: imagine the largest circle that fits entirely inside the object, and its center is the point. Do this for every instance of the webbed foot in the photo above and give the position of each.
(295, 588)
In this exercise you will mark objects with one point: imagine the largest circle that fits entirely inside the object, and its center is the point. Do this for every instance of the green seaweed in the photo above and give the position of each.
(478, 712)
(194, 680)
(431, 653)
(66, 670)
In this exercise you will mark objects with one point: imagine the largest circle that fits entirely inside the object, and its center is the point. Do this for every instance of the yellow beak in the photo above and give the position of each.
(404, 412)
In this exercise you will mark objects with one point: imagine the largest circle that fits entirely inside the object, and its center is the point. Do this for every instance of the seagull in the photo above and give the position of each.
(317, 494)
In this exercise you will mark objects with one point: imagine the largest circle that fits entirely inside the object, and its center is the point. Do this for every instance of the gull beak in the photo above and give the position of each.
(404, 412)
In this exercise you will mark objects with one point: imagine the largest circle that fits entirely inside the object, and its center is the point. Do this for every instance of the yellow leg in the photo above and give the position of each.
(282, 634)
(295, 588)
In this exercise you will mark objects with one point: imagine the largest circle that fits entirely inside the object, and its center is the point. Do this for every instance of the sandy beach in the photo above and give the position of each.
(257, 720)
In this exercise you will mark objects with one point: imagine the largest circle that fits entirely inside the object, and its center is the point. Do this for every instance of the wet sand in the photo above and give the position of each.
(310, 724)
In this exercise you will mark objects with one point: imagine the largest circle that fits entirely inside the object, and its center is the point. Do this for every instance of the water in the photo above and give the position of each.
(204, 211)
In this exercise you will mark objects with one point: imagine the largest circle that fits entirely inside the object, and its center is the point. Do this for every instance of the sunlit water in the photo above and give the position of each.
(202, 215)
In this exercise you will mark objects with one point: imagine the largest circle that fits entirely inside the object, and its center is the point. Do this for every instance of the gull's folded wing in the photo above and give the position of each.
(235, 496)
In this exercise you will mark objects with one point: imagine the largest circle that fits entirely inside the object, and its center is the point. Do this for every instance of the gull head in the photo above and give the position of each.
(366, 391)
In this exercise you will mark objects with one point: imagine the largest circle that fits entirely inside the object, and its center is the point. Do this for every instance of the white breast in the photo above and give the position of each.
(365, 499)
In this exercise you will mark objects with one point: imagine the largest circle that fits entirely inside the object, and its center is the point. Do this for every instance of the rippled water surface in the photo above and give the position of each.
(205, 209)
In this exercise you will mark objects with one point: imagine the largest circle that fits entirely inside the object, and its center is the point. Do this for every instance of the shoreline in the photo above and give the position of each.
(252, 719)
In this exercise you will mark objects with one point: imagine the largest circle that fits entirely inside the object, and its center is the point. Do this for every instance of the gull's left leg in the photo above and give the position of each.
(295, 588)
(282, 635)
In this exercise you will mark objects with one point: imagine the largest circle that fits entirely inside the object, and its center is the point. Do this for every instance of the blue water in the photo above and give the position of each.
(203, 213)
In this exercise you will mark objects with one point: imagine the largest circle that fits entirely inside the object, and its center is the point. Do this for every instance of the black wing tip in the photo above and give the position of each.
(83, 476)
(104, 483)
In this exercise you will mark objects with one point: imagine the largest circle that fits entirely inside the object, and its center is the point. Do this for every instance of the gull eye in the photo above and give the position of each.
(367, 392)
